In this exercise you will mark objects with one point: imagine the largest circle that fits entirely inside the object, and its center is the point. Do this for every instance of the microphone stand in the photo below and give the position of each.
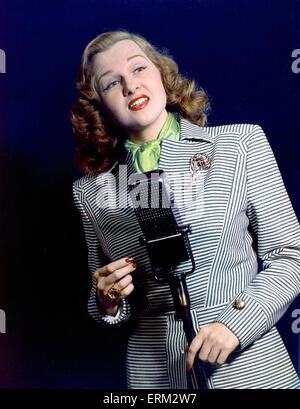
(168, 245)
(182, 307)
(180, 295)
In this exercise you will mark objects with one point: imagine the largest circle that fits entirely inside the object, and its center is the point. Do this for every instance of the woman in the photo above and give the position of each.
(135, 113)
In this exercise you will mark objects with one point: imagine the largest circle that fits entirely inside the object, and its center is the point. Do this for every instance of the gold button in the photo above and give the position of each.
(239, 304)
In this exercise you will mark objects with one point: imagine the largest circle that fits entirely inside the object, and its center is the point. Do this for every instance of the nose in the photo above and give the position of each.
(129, 86)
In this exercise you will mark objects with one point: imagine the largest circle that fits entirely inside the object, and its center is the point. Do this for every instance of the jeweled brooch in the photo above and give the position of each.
(199, 161)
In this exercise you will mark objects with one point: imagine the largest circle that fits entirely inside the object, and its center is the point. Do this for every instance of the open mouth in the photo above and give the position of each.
(138, 103)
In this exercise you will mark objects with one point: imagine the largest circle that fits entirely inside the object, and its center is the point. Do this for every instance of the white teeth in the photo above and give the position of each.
(138, 102)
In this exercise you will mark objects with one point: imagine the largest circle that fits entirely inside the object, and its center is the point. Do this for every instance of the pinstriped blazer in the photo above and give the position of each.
(240, 212)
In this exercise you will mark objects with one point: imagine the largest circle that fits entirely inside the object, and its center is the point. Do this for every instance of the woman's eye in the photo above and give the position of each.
(139, 69)
(110, 85)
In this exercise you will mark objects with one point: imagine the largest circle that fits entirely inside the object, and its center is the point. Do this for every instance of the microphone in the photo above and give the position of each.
(168, 245)
(166, 241)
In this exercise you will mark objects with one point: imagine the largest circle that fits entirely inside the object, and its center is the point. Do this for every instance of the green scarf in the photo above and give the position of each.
(146, 157)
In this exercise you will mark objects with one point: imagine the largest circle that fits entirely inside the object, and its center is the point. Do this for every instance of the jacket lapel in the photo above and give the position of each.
(190, 131)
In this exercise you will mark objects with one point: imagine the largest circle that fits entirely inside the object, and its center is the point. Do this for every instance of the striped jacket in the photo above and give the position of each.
(241, 213)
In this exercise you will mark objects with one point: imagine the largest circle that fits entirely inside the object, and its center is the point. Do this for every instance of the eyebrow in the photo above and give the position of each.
(105, 73)
(137, 55)
(128, 59)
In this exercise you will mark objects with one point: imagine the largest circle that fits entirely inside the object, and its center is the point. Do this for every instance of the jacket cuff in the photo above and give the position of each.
(245, 318)
(122, 315)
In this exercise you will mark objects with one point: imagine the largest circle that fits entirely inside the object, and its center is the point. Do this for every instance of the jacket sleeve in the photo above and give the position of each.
(96, 259)
(274, 222)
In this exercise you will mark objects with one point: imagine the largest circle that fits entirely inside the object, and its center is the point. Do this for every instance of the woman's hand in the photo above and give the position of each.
(117, 275)
(215, 341)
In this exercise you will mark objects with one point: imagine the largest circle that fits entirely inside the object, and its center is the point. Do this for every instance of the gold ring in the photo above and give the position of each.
(113, 294)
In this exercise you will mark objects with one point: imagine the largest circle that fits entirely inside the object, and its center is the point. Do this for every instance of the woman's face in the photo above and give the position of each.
(131, 89)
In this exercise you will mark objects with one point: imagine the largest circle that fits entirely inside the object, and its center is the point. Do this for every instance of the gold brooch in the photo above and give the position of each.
(199, 161)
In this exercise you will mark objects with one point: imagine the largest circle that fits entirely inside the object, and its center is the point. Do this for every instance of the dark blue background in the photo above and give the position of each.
(238, 51)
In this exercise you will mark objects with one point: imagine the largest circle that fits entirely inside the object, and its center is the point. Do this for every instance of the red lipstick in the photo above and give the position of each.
(135, 105)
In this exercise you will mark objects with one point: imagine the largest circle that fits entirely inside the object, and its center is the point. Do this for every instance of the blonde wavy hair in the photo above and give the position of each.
(98, 138)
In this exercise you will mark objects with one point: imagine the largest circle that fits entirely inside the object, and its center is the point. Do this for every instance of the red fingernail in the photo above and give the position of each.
(129, 259)
(134, 265)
